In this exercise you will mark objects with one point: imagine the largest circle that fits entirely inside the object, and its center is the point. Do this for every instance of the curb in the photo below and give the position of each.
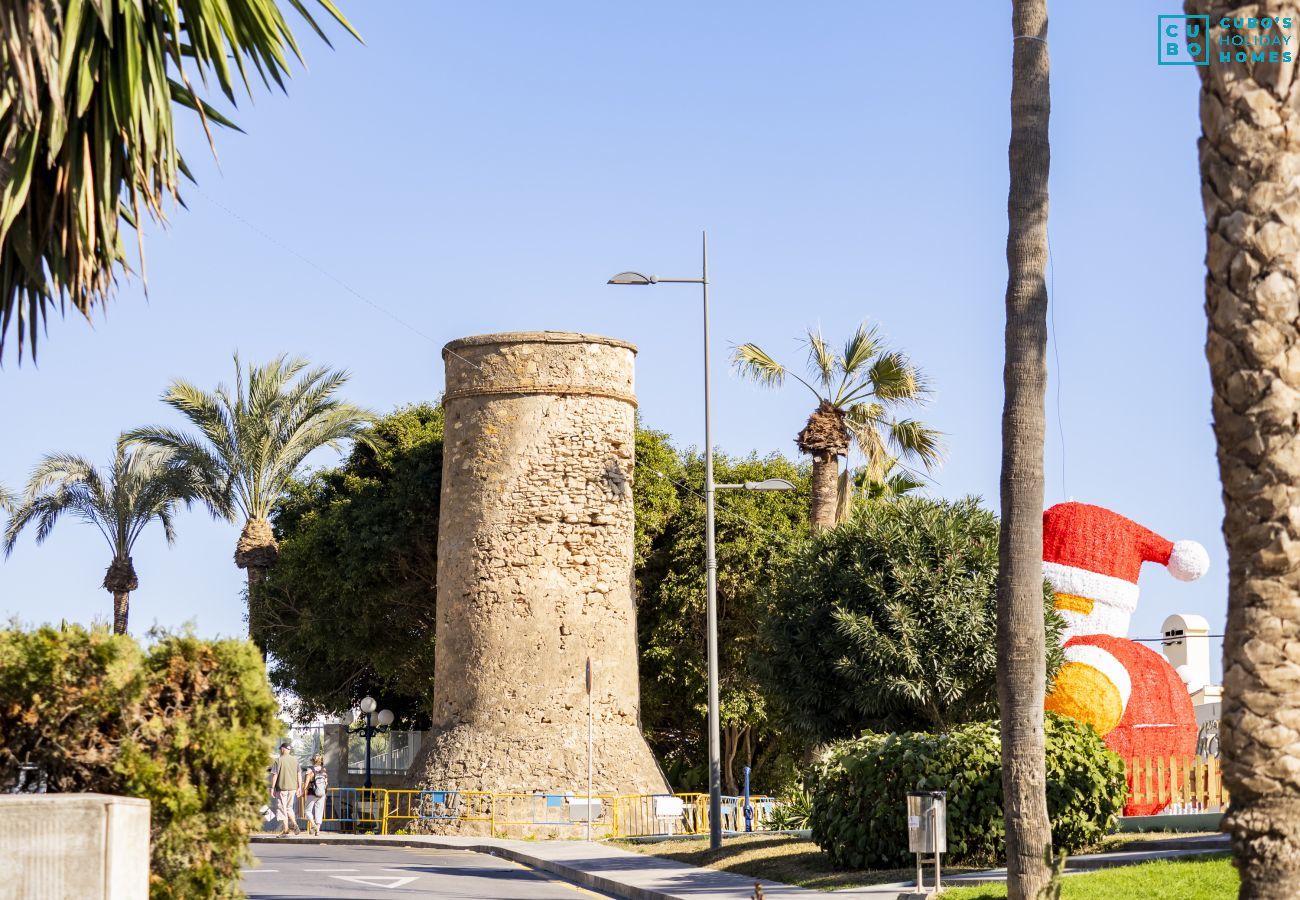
(559, 869)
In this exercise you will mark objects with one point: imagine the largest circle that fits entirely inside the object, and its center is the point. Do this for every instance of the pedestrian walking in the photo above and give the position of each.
(315, 781)
(285, 786)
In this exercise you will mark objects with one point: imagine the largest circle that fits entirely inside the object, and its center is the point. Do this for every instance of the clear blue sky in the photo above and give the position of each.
(485, 166)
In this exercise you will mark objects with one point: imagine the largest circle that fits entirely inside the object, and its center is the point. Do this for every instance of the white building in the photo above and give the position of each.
(1187, 647)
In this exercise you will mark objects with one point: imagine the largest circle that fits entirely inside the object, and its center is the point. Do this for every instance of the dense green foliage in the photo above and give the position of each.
(186, 724)
(349, 608)
(888, 622)
(755, 531)
(860, 789)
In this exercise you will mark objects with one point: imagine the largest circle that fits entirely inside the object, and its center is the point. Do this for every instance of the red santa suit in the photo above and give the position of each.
(1129, 693)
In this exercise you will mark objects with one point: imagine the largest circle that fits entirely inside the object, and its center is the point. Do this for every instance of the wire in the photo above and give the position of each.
(1056, 351)
(326, 272)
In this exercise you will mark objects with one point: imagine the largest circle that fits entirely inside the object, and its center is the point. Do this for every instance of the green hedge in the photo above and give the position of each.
(186, 724)
(859, 814)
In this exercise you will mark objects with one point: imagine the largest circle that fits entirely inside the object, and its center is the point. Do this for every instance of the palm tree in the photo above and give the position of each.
(856, 392)
(142, 485)
(251, 440)
(1021, 641)
(87, 130)
(1249, 148)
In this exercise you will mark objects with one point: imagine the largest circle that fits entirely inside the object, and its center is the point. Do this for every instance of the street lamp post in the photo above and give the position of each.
(710, 557)
(368, 728)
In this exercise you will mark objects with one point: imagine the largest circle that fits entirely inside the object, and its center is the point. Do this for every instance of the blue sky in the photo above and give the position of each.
(485, 166)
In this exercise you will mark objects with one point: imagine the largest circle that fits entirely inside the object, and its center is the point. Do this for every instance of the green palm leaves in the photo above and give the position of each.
(864, 383)
(140, 486)
(248, 441)
(87, 137)
(250, 438)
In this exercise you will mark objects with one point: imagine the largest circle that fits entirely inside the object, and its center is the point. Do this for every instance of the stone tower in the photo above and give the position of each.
(535, 569)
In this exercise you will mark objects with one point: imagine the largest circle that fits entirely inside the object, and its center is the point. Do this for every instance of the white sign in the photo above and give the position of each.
(913, 821)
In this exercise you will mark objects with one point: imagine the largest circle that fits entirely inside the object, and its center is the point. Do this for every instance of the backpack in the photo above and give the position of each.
(319, 781)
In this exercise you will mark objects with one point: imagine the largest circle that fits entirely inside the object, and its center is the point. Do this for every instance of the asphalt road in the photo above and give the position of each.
(316, 870)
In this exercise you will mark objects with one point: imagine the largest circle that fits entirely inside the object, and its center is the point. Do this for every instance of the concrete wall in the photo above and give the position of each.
(87, 846)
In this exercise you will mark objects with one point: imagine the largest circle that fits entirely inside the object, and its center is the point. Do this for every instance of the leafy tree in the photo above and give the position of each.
(87, 135)
(349, 608)
(857, 391)
(657, 476)
(1022, 644)
(754, 531)
(888, 622)
(1248, 148)
(251, 441)
(141, 486)
(184, 723)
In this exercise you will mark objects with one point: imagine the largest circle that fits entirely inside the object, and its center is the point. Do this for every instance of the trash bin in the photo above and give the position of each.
(927, 822)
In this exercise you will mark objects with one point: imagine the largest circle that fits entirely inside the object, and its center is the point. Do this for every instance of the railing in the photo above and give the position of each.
(1189, 783)
(385, 811)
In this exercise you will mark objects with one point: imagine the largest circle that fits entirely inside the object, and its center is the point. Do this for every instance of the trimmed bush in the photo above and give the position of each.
(859, 814)
(186, 724)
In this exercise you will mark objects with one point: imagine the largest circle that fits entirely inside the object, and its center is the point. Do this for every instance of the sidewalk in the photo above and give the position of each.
(636, 876)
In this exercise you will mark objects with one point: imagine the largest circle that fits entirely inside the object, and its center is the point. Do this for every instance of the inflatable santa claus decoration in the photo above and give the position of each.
(1129, 693)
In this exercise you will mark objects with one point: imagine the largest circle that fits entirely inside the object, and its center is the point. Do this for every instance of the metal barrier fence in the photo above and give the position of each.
(385, 811)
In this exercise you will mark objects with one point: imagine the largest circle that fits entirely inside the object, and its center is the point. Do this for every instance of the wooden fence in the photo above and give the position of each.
(1193, 781)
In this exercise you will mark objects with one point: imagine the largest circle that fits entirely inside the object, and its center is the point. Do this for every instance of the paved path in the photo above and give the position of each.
(293, 869)
(616, 872)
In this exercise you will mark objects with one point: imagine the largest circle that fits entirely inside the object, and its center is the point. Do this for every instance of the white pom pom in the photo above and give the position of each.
(1189, 561)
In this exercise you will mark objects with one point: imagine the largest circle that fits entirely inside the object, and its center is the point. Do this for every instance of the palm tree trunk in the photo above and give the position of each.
(825, 490)
(121, 601)
(120, 580)
(1249, 154)
(1020, 636)
(256, 552)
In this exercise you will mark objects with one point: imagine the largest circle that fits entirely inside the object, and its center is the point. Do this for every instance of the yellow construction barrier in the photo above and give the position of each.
(386, 811)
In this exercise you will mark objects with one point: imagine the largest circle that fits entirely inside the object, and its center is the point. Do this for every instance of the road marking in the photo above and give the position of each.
(255, 871)
(329, 870)
(376, 880)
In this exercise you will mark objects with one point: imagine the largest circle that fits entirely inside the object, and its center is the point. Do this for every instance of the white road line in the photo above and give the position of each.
(256, 871)
(330, 870)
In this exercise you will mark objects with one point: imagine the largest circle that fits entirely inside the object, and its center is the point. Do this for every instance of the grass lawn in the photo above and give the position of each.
(1201, 879)
(778, 857)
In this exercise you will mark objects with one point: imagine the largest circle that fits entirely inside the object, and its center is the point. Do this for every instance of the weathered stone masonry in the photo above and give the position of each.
(535, 568)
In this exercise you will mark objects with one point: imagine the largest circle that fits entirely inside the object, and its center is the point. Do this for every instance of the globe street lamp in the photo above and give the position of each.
(710, 557)
(368, 728)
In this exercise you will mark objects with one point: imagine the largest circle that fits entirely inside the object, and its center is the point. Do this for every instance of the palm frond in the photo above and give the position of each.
(753, 362)
(913, 441)
(88, 131)
(860, 348)
(822, 363)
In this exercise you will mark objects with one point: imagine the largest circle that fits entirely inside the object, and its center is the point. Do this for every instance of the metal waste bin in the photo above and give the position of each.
(927, 831)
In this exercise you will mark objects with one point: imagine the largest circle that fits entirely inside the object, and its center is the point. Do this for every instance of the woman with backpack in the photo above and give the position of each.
(315, 781)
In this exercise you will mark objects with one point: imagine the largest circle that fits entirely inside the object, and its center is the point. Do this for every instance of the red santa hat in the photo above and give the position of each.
(1094, 554)
(1100, 540)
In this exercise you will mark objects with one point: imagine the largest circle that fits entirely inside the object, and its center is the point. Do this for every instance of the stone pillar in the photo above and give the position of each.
(535, 569)
(88, 846)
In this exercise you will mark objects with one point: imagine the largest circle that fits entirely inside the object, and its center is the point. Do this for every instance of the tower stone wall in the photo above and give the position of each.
(535, 569)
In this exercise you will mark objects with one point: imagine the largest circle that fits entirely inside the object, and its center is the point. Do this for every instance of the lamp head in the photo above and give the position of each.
(368, 705)
(770, 484)
(632, 278)
(385, 717)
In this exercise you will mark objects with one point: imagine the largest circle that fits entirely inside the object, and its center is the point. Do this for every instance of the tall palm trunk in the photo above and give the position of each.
(825, 490)
(1020, 636)
(120, 580)
(825, 438)
(1250, 154)
(256, 552)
